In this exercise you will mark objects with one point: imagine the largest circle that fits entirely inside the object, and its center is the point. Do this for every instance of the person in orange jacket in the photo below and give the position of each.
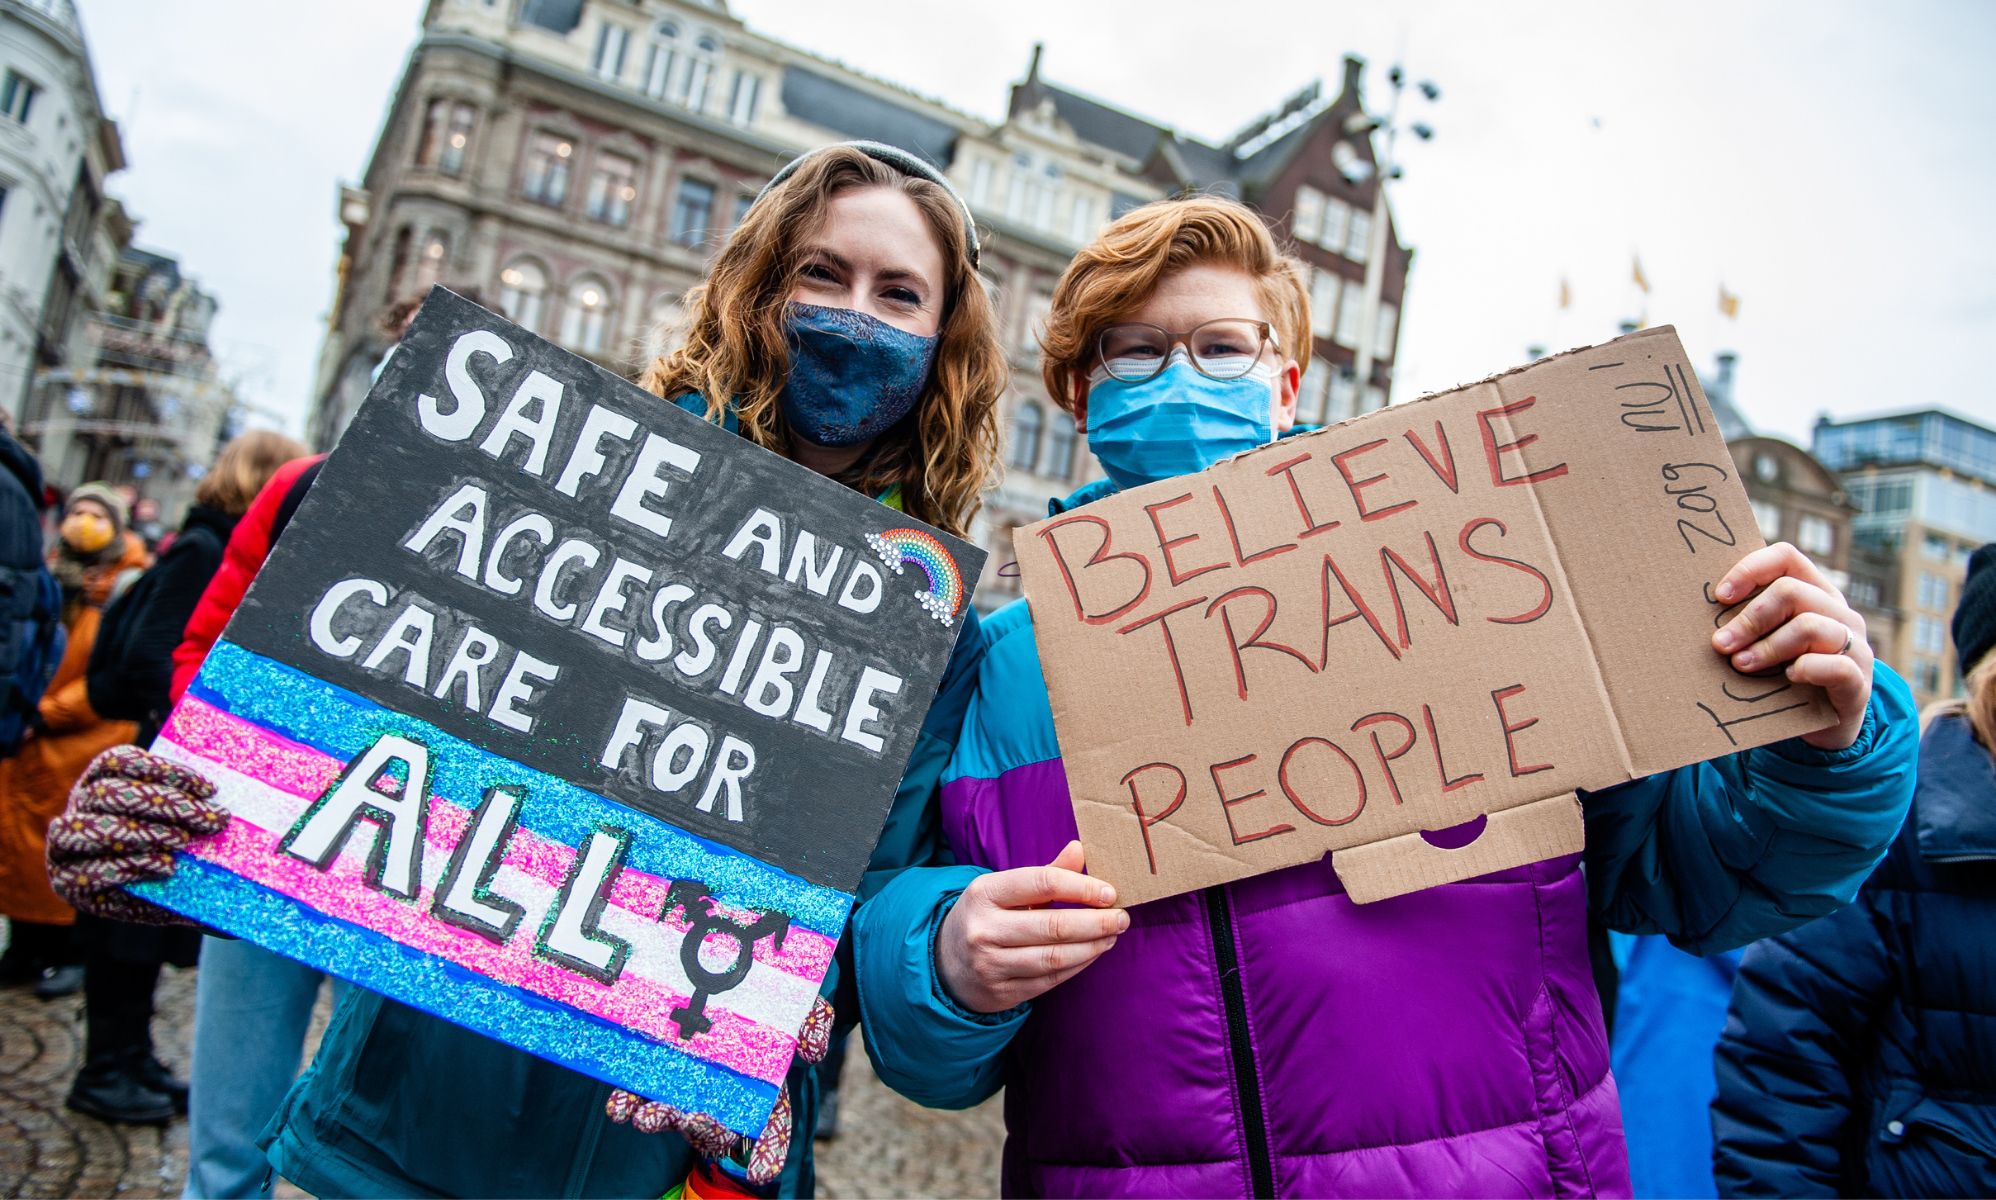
(93, 558)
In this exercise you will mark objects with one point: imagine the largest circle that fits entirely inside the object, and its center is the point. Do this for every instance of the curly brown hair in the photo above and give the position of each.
(1113, 275)
(734, 353)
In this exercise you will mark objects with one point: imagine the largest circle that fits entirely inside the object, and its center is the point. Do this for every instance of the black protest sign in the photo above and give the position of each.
(543, 559)
(567, 715)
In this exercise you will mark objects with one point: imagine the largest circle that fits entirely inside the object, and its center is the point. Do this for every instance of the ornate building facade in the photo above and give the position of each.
(56, 148)
(578, 161)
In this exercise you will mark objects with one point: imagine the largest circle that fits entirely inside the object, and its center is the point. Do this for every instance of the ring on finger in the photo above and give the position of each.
(1850, 639)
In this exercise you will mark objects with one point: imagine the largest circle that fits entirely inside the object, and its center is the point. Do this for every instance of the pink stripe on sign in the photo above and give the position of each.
(301, 771)
(634, 1002)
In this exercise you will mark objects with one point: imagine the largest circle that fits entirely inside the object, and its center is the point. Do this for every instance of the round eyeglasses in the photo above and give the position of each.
(1227, 348)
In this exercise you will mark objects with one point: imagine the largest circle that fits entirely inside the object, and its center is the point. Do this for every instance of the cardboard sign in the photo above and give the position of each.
(1406, 640)
(568, 716)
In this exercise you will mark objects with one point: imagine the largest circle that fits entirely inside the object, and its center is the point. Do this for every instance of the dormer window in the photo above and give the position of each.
(679, 72)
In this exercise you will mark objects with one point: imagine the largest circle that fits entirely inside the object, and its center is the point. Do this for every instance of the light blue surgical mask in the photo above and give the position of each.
(1177, 422)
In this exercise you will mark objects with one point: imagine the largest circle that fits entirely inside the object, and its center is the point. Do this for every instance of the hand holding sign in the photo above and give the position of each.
(1000, 946)
(1801, 622)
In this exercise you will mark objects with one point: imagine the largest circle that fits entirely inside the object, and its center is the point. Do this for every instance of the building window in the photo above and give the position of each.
(398, 262)
(680, 73)
(742, 101)
(1375, 398)
(523, 290)
(1358, 240)
(451, 161)
(17, 96)
(1026, 425)
(1934, 546)
(1308, 218)
(1344, 396)
(1314, 401)
(662, 60)
(1060, 446)
(1864, 593)
(1929, 635)
(1765, 468)
(699, 73)
(1814, 535)
(430, 264)
(1933, 592)
(1768, 517)
(585, 318)
(981, 172)
(1351, 313)
(1389, 328)
(743, 203)
(446, 134)
(1323, 302)
(549, 159)
(611, 42)
(1032, 323)
(613, 186)
(692, 212)
(1887, 498)
(1337, 225)
(1926, 675)
(1083, 218)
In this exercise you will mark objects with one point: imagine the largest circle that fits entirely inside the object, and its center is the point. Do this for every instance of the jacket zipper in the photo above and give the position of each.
(1240, 1050)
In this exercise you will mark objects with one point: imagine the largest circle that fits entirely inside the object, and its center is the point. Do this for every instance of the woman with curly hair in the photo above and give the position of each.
(843, 325)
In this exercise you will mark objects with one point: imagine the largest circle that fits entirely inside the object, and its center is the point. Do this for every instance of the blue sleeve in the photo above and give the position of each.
(1727, 852)
(1789, 1063)
(923, 1044)
(912, 836)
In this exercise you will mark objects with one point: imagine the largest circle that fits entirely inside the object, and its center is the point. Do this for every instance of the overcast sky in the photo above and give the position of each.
(1819, 160)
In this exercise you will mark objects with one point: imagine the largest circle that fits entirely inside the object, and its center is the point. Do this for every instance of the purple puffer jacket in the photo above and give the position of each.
(1445, 1043)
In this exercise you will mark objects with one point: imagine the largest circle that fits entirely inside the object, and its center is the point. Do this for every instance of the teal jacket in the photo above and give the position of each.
(1713, 855)
(401, 1103)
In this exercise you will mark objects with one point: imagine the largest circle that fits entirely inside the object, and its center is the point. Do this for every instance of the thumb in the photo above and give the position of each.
(1070, 857)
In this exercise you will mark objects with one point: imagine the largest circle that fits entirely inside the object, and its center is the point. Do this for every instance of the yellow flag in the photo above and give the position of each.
(1641, 281)
(1565, 293)
(1729, 304)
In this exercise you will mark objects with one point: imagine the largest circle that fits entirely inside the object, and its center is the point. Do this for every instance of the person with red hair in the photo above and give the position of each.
(1268, 1036)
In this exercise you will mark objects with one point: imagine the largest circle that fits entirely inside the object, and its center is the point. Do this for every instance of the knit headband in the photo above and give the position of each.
(902, 161)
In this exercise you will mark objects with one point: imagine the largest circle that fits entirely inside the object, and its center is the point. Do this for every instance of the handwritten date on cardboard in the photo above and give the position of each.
(1407, 640)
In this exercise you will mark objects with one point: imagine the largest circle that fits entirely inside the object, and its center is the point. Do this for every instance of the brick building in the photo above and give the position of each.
(578, 161)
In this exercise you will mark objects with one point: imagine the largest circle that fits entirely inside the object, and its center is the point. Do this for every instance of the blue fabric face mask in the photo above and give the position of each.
(852, 376)
(1178, 422)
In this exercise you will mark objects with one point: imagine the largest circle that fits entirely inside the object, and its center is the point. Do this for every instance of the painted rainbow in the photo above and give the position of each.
(945, 595)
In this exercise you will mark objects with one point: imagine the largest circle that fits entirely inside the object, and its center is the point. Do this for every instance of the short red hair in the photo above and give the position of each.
(1113, 275)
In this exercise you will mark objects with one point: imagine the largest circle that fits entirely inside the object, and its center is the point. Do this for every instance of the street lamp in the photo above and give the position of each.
(1364, 125)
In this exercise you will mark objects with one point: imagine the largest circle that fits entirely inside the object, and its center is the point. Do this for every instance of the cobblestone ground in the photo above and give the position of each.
(886, 1147)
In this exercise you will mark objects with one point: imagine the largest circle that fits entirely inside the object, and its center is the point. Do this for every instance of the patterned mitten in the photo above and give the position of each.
(764, 1156)
(125, 818)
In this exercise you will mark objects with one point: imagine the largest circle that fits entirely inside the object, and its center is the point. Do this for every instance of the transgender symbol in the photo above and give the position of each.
(690, 896)
(944, 596)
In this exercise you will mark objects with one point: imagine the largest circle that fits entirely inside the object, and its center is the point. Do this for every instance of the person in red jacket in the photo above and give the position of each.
(251, 1007)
